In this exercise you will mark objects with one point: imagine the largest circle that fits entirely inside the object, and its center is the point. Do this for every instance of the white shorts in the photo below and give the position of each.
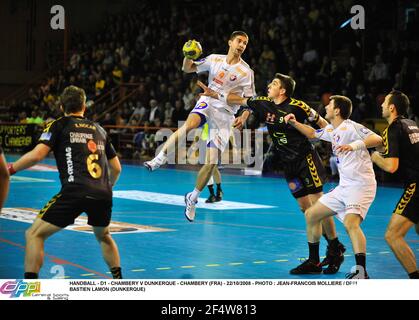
(220, 122)
(349, 200)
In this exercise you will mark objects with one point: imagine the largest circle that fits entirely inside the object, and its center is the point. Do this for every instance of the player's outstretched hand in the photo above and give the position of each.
(290, 118)
(239, 123)
(207, 91)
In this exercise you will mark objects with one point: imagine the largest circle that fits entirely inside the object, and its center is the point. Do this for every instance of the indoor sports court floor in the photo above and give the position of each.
(258, 232)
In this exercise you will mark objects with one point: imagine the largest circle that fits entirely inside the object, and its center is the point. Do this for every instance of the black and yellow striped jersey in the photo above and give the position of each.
(401, 140)
(289, 142)
(81, 148)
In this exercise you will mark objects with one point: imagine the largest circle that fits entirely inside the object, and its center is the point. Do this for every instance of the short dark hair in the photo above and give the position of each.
(238, 33)
(400, 101)
(287, 83)
(72, 99)
(344, 104)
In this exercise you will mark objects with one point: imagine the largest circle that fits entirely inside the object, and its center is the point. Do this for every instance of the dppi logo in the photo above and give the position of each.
(17, 288)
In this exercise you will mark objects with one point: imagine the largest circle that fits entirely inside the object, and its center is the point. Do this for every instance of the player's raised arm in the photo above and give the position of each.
(188, 66)
(306, 130)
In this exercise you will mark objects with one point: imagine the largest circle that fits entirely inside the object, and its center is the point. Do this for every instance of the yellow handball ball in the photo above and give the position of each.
(192, 49)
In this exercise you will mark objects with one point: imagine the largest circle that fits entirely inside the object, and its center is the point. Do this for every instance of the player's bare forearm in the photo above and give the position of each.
(231, 99)
(390, 165)
(115, 170)
(32, 157)
(234, 99)
(373, 140)
(306, 130)
(188, 66)
(245, 115)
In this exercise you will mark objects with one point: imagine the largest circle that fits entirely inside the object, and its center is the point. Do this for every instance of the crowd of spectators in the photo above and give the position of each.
(142, 48)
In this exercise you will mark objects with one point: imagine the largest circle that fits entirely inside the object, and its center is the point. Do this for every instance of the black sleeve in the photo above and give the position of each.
(1, 150)
(300, 114)
(51, 134)
(391, 138)
(109, 149)
(257, 105)
(303, 112)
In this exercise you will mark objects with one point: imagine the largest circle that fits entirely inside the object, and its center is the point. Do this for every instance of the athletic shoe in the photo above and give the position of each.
(211, 199)
(190, 207)
(334, 264)
(330, 256)
(333, 260)
(307, 267)
(155, 163)
(357, 275)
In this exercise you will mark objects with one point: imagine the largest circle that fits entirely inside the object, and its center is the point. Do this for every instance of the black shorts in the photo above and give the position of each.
(65, 207)
(408, 205)
(305, 176)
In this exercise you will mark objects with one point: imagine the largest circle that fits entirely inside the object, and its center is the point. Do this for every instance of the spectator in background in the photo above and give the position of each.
(348, 85)
(99, 85)
(35, 118)
(179, 113)
(23, 117)
(188, 99)
(362, 105)
(154, 111)
(379, 74)
(356, 70)
(335, 77)
(108, 120)
(168, 111)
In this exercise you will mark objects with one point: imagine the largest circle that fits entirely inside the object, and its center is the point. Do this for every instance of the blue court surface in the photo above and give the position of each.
(257, 232)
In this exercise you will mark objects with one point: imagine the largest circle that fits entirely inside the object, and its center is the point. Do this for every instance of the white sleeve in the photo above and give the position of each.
(362, 131)
(204, 64)
(324, 134)
(249, 86)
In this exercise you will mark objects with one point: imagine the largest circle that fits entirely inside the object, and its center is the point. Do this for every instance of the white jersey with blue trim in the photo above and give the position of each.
(225, 78)
(355, 167)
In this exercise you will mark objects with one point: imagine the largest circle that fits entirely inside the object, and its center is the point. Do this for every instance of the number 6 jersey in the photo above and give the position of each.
(81, 148)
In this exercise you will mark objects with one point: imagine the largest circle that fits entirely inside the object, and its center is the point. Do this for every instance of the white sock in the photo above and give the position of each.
(195, 195)
(161, 156)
